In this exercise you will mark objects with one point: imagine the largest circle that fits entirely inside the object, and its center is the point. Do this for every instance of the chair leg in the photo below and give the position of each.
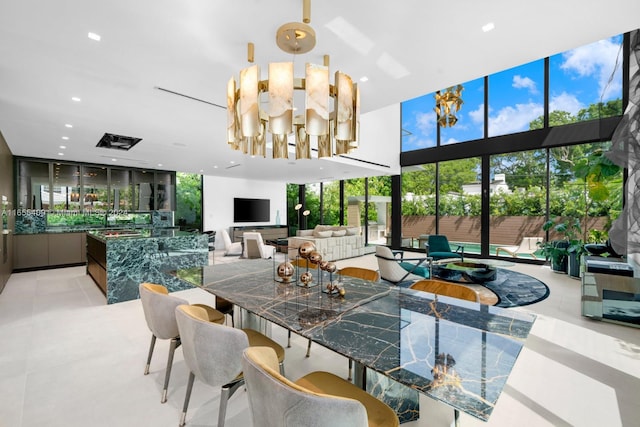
(227, 392)
(175, 343)
(350, 377)
(308, 348)
(289, 340)
(153, 344)
(281, 366)
(183, 417)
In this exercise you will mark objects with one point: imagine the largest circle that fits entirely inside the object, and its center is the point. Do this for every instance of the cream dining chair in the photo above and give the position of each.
(316, 399)
(213, 354)
(159, 312)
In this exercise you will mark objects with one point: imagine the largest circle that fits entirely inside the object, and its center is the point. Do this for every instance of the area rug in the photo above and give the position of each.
(516, 289)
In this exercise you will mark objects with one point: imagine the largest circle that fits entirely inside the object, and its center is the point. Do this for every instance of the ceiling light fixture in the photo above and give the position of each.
(248, 124)
(66, 138)
(68, 125)
(448, 103)
(94, 36)
(75, 99)
(488, 27)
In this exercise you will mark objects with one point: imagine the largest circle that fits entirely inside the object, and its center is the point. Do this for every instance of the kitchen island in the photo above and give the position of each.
(119, 260)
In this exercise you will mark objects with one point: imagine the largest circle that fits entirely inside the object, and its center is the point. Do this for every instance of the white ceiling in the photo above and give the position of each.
(193, 46)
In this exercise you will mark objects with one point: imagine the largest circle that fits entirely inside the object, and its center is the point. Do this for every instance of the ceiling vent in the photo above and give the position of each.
(117, 142)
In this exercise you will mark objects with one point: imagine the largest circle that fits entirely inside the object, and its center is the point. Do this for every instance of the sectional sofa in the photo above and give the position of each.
(333, 242)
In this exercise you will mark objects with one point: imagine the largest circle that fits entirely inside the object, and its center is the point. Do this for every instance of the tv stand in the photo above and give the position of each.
(269, 232)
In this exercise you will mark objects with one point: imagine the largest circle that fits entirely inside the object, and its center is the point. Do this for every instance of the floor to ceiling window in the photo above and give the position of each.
(493, 190)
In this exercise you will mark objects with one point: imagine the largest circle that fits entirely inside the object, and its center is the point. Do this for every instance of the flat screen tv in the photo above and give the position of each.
(251, 210)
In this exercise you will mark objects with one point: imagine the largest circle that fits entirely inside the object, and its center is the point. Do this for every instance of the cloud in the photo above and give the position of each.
(477, 115)
(514, 119)
(595, 60)
(520, 82)
(565, 102)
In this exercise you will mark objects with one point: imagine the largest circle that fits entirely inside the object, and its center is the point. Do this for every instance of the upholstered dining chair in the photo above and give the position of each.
(254, 246)
(396, 270)
(438, 247)
(230, 248)
(440, 287)
(317, 399)
(361, 273)
(159, 312)
(213, 354)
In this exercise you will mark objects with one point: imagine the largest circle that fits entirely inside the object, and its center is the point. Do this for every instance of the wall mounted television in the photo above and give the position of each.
(251, 210)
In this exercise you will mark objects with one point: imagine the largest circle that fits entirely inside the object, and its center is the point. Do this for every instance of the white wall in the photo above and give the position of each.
(380, 138)
(217, 199)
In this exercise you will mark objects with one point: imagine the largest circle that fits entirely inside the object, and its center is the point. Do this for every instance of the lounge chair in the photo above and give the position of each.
(528, 245)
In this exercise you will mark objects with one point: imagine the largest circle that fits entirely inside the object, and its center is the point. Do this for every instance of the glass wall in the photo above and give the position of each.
(121, 190)
(529, 177)
(189, 201)
(586, 83)
(516, 98)
(95, 195)
(33, 185)
(517, 200)
(66, 187)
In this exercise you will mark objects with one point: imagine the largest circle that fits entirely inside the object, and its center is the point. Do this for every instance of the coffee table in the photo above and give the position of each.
(464, 271)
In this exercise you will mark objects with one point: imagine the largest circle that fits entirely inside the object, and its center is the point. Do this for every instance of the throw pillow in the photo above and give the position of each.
(339, 233)
(353, 231)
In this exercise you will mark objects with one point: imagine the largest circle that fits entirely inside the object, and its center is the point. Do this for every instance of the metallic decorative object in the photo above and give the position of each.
(305, 249)
(448, 103)
(315, 257)
(248, 124)
(306, 278)
(330, 267)
(285, 271)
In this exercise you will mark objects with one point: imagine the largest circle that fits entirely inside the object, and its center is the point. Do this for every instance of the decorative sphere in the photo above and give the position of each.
(331, 267)
(315, 257)
(305, 249)
(342, 292)
(285, 271)
(323, 264)
(306, 278)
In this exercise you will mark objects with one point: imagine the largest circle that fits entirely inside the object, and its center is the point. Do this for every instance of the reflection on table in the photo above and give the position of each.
(455, 351)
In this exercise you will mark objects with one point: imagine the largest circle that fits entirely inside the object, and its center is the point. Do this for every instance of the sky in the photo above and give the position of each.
(577, 78)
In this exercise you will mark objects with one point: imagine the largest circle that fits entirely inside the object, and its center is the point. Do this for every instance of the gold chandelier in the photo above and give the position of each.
(448, 103)
(248, 123)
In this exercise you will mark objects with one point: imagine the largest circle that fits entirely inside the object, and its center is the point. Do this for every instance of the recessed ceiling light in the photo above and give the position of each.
(215, 167)
(66, 138)
(68, 125)
(364, 79)
(94, 36)
(62, 147)
(488, 27)
(201, 170)
(76, 99)
(115, 160)
(160, 165)
(232, 162)
(60, 154)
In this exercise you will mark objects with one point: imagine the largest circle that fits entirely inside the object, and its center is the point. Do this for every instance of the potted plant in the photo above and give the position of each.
(556, 251)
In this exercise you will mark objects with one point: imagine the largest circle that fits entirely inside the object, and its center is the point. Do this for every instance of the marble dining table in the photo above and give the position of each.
(457, 352)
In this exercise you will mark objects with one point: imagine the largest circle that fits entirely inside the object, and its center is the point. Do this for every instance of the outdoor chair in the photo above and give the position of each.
(528, 245)
(438, 248)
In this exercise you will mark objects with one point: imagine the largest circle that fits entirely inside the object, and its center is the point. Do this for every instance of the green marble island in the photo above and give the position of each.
(119, 260)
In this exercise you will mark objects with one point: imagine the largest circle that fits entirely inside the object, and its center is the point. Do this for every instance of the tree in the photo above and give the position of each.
(189, 200)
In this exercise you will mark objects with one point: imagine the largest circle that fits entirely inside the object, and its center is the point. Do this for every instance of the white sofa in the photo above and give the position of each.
(333, 242)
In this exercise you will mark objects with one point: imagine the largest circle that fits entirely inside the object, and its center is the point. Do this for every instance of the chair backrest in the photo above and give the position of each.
(226, 238)
(159, 310)
(530, 244)
(362, 273)
(438, 243)
(275, 401)
(211, 351)
(448, 289)
(390, 268)
(252, 244)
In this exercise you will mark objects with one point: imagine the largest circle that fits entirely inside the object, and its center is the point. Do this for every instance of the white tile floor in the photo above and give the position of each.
(70, 360)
